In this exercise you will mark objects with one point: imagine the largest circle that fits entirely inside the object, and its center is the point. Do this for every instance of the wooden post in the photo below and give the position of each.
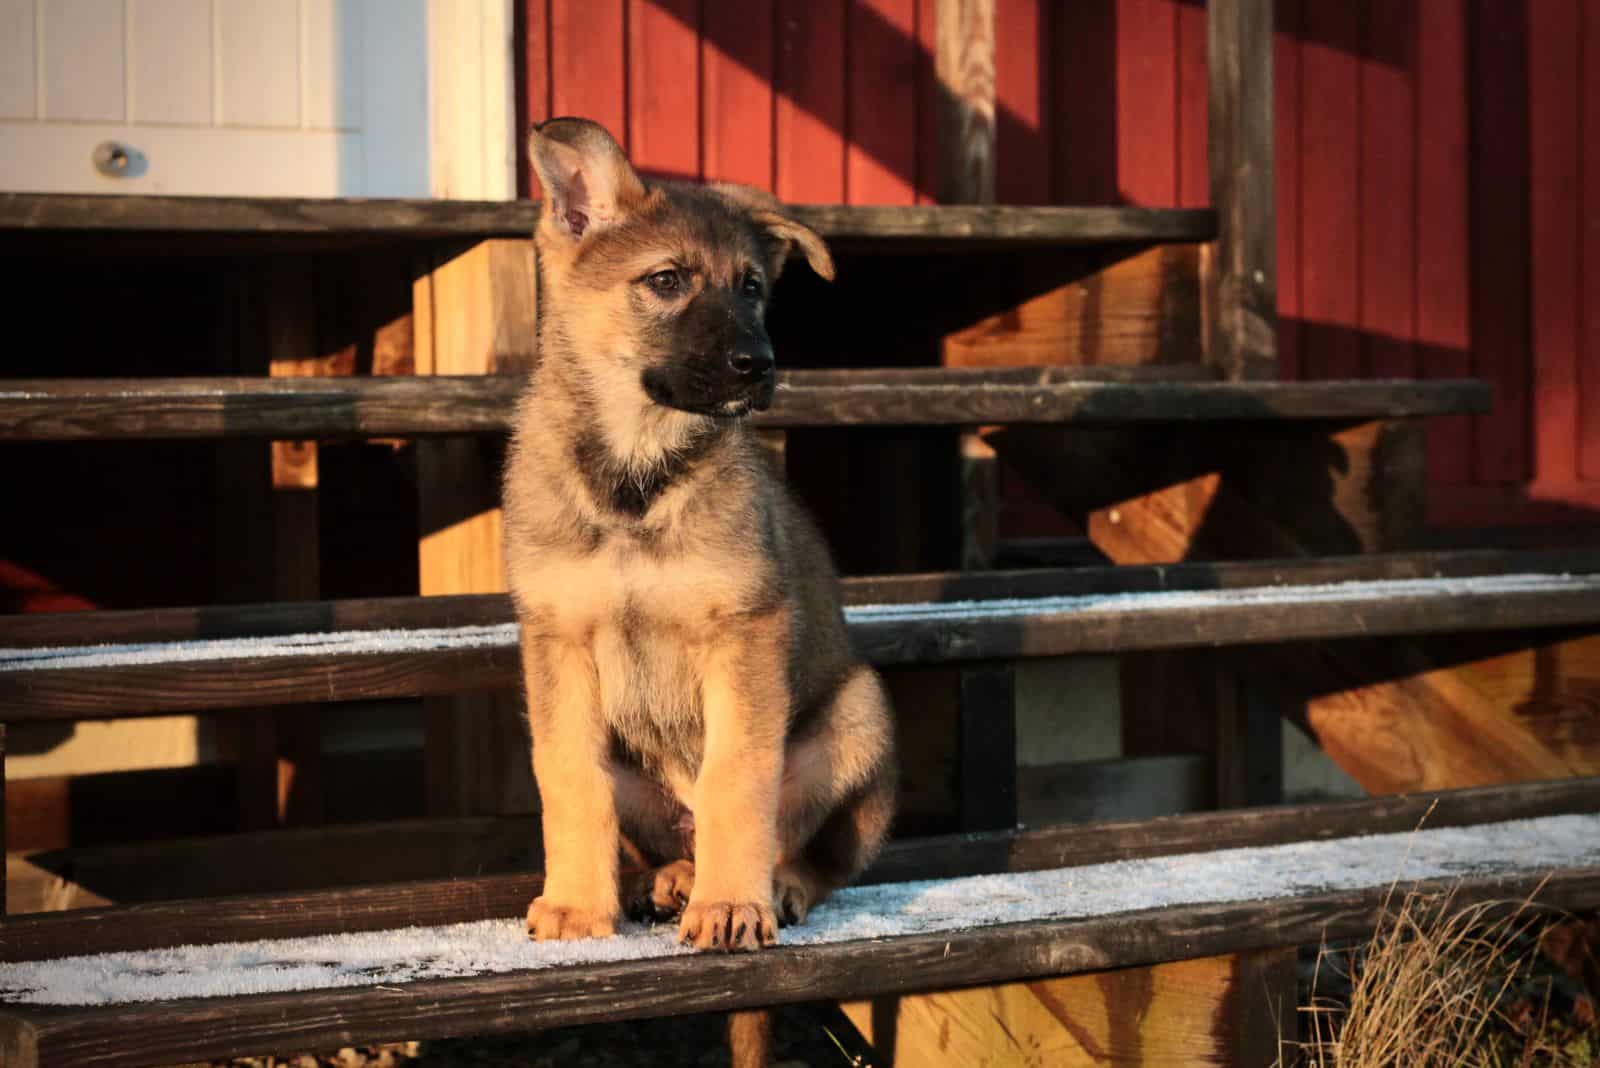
(988, 748)
(293, 743)
(279, 749)
(964, 65)
(1242, 324)
(475, 314)
(3, 853)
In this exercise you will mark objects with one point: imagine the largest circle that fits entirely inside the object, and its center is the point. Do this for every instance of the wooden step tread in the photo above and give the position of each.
(1038, 920)
(416, 220)
(413, 647)
(291, 408)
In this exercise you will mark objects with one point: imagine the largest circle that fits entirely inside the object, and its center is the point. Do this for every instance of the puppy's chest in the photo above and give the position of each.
(647, 622)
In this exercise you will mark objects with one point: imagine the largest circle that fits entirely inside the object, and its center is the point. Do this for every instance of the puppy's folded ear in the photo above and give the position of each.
(588, 182)
(797, 238)
(767, 212)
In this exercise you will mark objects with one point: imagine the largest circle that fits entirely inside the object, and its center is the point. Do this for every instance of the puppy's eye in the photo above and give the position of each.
(750, 285)
(665, 283)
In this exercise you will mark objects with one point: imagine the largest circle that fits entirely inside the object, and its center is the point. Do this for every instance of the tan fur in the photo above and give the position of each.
(690, 682)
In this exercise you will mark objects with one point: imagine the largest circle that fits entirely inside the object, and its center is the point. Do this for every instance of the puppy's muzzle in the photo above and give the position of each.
(755, 370)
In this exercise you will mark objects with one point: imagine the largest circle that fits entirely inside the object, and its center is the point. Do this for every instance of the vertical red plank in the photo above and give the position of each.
(1286, 143)
(1022, 39)
(586, 62)
(1085, 112)
(1147, 102)
(532, 43)
(664, 87)
(1389, 190)
(927, 42)
(1194, 111)
(1589, 206)
(810, 109)
(1330, 191)
(736, 91)
(881, 156)
(1444, 248)
(1499, 192)
(1555, 219)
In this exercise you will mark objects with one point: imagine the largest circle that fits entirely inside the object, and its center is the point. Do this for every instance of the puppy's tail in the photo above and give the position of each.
(750, 1038)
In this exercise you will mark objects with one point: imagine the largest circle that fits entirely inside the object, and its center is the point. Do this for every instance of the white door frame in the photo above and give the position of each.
(471, 100)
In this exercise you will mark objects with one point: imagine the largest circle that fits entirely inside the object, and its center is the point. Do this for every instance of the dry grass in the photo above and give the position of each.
(1441, 985)
(1424, 989)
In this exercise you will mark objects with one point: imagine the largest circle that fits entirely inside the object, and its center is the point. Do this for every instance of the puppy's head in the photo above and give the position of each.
(660, 288)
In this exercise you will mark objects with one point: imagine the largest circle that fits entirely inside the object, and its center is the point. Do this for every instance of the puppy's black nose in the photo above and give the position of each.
(751, 365)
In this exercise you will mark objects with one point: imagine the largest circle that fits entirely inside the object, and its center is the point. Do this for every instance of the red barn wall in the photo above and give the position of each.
(1435, 159)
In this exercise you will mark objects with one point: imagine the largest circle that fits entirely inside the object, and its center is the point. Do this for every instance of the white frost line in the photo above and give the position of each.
(1522, 847)
(1322, 593)
(342, 642)
(371, 642)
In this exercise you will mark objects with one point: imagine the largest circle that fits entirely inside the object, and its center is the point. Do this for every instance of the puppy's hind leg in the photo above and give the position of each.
(838, 795)
(662, 831)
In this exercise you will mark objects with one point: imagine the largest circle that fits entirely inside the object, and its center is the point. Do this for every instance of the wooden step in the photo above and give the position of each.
(217, 866)
(1209, 900)
(297, 408)
(89, 665)
(414, 221)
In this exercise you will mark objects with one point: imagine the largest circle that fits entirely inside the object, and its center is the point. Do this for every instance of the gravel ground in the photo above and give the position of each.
(801, 1039)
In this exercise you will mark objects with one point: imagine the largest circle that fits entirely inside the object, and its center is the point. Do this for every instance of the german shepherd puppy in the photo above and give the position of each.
(691, 689)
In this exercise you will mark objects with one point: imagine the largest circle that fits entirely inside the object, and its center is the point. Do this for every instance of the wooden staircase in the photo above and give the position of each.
(1255, 530)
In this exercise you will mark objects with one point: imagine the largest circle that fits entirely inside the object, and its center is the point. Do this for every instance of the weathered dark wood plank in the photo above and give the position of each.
(308, 408)
(1242, 327)
(964, 67)
(332, 674)
(238, 621)
(439, 901)
(193, 1029)
(988, 747)
(414, 220)
(402, 219)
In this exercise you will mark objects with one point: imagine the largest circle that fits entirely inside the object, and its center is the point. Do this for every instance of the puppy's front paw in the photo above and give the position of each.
(728, 926)
(548, 921)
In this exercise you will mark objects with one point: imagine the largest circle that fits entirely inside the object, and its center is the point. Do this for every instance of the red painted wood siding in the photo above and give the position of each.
(1435, 160)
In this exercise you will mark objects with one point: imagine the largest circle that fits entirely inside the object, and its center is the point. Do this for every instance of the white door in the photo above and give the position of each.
(306, 98)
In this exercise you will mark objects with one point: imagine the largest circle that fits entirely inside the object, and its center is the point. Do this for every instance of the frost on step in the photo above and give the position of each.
(1521, 847)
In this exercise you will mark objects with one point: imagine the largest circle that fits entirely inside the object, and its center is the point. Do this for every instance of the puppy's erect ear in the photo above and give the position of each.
(767, 211)
(588, 182)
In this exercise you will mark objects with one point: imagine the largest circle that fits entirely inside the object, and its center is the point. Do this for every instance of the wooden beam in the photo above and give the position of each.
(1396, 718)
(919, 636)
(198, 1029)
(1266, 1008)
(964, 65)
(365, 853)
(476, 315)
(1139, 309)
(280, 749)
(35, 630)
(418, 220)
(988, 748)
(1241, 337)
(2, 816)
(117, 409)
